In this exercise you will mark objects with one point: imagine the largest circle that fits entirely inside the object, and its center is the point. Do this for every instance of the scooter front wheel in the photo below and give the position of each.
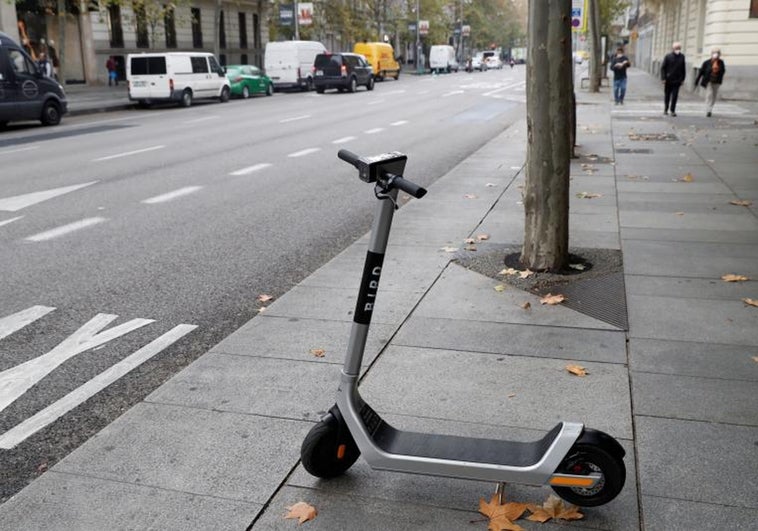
(329, 450)
(585, 459)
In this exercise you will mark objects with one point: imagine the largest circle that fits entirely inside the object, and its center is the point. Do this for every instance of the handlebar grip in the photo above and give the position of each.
(348, 156)
(409, 188)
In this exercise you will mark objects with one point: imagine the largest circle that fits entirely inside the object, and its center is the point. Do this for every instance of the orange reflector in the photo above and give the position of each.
(341, 451)
(571, 482)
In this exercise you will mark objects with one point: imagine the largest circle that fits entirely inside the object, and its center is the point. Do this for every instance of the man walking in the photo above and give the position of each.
(110, 65)
(619, 64)
(673, 72)
(710, 77)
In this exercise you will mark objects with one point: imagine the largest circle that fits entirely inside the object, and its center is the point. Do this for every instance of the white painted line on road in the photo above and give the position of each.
(374, 130)
(43, 418)
(18, 150)
(399, 122)
(251, 169)
(19, 320)
(15, 203)
(400, 91)
(343, 140)
(65, 229)
(18, 380)
(451, 93)
(128, 153)
(501, 89)
(375, 102)
(203, 119)
(303, 152)
(169, 196)
(9, 221)
(294, 118)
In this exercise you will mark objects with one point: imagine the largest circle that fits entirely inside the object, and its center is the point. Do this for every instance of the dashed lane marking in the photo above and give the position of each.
(399, 122)
(65, 229)
(19, 320)
(18, 150)
(202, 119)
(8, 221)
(375, 102)
(294, 118)
(170, 196)
(303, 152)
(128, 153)
(343, 140)
(251, 169)
(17, 202)
(374, 130)
(451, 93)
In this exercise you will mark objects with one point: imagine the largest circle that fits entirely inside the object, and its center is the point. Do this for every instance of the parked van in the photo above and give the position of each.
(289, 64)
(25, 93)
(381, 57)
(442, 58)
(177, 76)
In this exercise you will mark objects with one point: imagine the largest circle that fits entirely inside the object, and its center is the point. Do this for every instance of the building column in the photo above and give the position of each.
(89, 61)
(9, 20)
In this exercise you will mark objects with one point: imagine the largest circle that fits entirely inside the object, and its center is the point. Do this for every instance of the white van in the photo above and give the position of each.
(289, 64)
(175, 76)
(442, 58)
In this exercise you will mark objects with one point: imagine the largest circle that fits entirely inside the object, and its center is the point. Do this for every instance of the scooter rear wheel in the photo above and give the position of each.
(585, 459)
(329, 450)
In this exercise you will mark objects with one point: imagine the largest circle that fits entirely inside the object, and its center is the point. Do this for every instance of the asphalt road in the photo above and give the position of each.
(172, 217)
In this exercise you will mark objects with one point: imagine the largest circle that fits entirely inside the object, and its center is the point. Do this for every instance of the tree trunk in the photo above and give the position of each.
(61, 41)
(596, 61)
(548, 105)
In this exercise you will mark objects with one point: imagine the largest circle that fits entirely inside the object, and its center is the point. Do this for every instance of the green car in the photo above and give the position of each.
(247, 79)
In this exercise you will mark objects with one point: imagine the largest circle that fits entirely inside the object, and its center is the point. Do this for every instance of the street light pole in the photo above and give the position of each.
(418, 31)
(297, 25)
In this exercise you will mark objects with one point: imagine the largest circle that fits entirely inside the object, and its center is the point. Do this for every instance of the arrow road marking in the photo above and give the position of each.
(18, 320)
(16, 203)
(79, 395)
(18, 380)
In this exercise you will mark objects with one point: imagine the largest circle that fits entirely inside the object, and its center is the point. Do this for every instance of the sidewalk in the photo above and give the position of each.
(83, 99)
(217, 446)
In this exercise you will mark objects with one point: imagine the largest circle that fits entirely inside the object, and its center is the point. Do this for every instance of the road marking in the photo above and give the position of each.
(15, 203)
(303, 152)
(375, 102)
(374, 130)
(343, 140)
(18, 380)
(399, 122)
(8, 221)
(513, 85)
(18, 150)
(399, 91)
(294, 118)
(203, 119)
(65, 229)
(251, 169)
(19, 320)
(128, 153)
(169, 196)
(43, 418)
(451, 93)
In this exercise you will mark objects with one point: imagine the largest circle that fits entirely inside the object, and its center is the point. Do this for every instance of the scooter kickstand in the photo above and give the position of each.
(500, 492)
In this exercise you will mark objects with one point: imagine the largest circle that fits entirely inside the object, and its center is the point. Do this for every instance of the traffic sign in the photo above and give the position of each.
(579, 16)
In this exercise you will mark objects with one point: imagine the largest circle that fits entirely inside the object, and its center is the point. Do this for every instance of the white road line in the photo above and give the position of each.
(451, 93)
(251, 169)
(202, 119)
(19, 320)
(8, 221)
(16, 381)
(65, 229)
(343, 140)
(303, 152)
(294, 118)
(501, 89)
(169, 196)
(43, 418)
(375, 102)
(374, 130)
(399, 91)
(128, 153)
(15, 203)
(18, 150)
(399, 122)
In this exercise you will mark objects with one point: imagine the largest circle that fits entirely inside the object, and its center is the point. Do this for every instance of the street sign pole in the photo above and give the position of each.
(418, 37)
(297, 24)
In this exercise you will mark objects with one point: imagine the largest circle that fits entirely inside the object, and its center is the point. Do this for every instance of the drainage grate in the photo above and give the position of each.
(603, 298)
(651, 137)
(640, 151)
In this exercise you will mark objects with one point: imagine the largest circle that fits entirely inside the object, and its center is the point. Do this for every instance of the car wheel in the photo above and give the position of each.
(270, 90)
(245, 92)
(309, 84)
(3, 124)
(224, 95)
(186, 98)
(51, 113)
(320, 90)
(352, 86)
(370, 84)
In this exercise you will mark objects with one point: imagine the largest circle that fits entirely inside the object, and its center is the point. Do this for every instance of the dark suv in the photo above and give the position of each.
(343, 71)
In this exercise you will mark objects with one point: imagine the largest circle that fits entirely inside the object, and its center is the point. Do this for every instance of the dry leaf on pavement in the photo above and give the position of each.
(502, 515)
(755, 359)
(42, 467)
(469, 196)
(688, 178)
(490, 185)
(262, 309)
(500, 287)
(751, 302)
(741, 202)
(264, 298)
(318, 352)
(734, 278)
(578, 267)
(470, 248)
(525, 274)
(679, 213)
(552, 300)
(482, 237)
(302, 511)
(509, 271)
(526, 305)
(577, 370)
(588, 195)
(553, 508)
(449, 249)
(469, 240)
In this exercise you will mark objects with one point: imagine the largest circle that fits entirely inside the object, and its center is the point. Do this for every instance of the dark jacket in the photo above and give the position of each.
(705, 75)
(620, 72)
(673, 69)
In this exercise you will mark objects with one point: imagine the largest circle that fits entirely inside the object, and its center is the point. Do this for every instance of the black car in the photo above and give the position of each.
(343, 71)
(25, 93)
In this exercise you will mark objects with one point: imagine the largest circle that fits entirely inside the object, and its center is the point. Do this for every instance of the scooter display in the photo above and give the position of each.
(583, 466)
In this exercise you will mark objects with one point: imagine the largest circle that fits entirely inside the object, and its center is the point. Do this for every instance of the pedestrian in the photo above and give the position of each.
(110, 64)
(511, 62)
(673, 72)
(619, 64)
(710, 76)
(44, 65)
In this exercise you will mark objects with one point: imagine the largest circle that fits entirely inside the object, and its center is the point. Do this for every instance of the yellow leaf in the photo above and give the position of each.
(741, 202)
(526, 305)
(470, 196)
(302, 511)
(552, 300)
(500, 288)
(509, 271)
(511, 395)
(318, 352)
(577, 370)
(264, 298)
(469, 240)
(482, 237)
(588, 195)
(490, 185)
(470, 248)
(751, 302)
(501, 515)
(525, 274)
(734, 278)
(755, 359)
(679, 213)
(261, 310)
(553, 508)
(578, 267)
(688, 178)
(449, 249)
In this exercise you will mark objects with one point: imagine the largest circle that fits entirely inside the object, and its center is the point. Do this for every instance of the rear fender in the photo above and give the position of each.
(602, 440)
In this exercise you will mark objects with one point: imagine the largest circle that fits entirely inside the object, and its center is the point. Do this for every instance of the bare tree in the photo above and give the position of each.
(596, 61)
(548, 104)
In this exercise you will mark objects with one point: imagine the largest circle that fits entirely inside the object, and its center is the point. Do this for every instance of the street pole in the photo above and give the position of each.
(297, 25)
(418, 37)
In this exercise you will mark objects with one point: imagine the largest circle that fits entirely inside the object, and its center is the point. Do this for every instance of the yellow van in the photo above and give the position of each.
(381, 57)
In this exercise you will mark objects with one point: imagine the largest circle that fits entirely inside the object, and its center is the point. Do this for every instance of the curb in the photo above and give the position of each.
(97, 110)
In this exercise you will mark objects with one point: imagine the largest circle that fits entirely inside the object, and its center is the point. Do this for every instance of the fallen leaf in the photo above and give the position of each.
(318, 352)
(688, 178)
(469, 240)
(741, 202)
(588, 195)
(302, 511)
(42, 467)
(264, 298)
(577, 370)
(734, 278)
(751, 302)
(470, 196)
(490, 185)
(511, 395)
(509, 271)
(679, 213)
(578, 267)
(500, 288)
(755, 359)
(553, 508)
(261, 310)
(526, 273)
(501, 515)
(449, 249)
(470, 248)
(482, 237)
(526, 305)
(552, 300)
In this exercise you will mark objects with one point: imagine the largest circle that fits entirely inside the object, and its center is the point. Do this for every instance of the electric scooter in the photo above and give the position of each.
(583, 466)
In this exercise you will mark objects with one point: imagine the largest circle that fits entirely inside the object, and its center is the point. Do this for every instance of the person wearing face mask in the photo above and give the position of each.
(710, 76)
(673, 72)
(619, 64)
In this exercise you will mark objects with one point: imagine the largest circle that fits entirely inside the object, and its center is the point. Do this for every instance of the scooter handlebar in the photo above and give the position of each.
(348, 156)
(408, 187)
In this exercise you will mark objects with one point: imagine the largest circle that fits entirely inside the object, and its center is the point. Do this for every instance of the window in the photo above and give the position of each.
(215, 67)
(221, 31)
(197, 29)
(243, 30)
(146, 66)
(141, 19)
(20, 63)
(169, 25)
(199, 65)
(256, 32)
(753, 8)
(243, 59)
(114, 26)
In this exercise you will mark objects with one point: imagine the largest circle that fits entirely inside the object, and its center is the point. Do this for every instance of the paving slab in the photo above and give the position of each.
(697, 461)
(594, 239)
(690, 288)
(688, 235)
(685, 218)
(650, 187)
(643, 201)
(667, 514)
(59, 501)
(207, 453)
(689, 259)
